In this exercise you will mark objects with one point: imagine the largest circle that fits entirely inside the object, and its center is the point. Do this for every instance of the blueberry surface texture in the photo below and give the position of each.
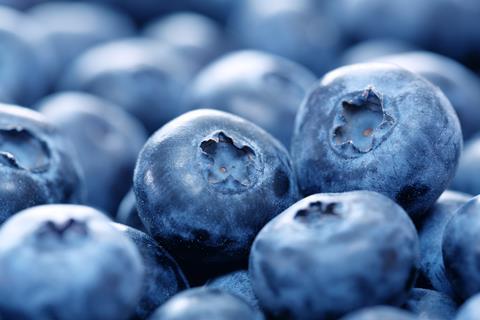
(460, 249)
(106, 139)
(357, 247)
(237, 283)
(205, 304)
(67, 262)
(163, 277)
(431, 305)
(36, 165)
(430, 233)
(260, 87)
(207, 182)
(381, 313)
(377, 127)
(146, 78)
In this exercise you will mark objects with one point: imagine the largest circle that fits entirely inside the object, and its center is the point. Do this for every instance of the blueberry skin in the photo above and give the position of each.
(205, 304)
(358, 247)
(67, 262)
(371, 49)
(431, 305)
(460, 85)
(430, 233)
(298, 30)
(207, 182)
(196, 36)
(72, 28)
(466, 177)
(145, 78)
(459, 249)
(127, 213)
(95, 126)
(470, 309)
(375, 127)
(163, 277)
(263, 88)
(35, 164)
(237, 283)
(380, 313)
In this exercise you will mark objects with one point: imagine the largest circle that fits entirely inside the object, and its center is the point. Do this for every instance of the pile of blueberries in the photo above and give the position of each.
(240, 160)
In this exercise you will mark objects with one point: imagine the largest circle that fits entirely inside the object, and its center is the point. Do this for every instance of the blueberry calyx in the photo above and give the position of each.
(228, 166)
(22, 150)
(51, 233)
(361, 123)
(317, 210)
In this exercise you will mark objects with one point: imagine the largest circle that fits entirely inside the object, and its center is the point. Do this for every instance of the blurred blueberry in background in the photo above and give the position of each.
(380, 312)
(67, 262)
(299, 30)
(431, 305)
(127, 213)
(237, 283)
(470, 309)
(106, 139)
(371, 49)
(36, 165)
(143, 77)
(263, 88)
(197, 37)
(467, 177)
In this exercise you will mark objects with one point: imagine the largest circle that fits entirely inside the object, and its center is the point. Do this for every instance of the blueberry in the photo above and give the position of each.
(470, 309)
(71, 28)
(330, 254)
(466, 179)
(460, 85)
(381, 313)
(430, 232)
(377, 127)
(35, 164)
(196, 36)
(237, 283)
(66, 262)
(375, 48)
(128, 214)
(260, 87)
(94, 126)
(163, 277)
(143, 77)
(206, 183)
(459, 249)
(299, 30)
(431, 305)
(22, 76)
(205, 304)
(220, 10)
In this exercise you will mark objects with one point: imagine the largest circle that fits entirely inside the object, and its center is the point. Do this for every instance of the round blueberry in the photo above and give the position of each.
(237, 283)
(163, 277)
(299, 30)
(141, 76)
(429, 304)
(96, 127)
(372, 49)
(460, 250)
(66, 262)
(205, 304)
(460, 85)
(71, 28)
(430, 233)
(207, 182)
(260, 87)
(381, 313)
(470, 309)
(330, 254)
(377, 127)
(466, 179)
(35, 163)
(127, 213)
(196, 36)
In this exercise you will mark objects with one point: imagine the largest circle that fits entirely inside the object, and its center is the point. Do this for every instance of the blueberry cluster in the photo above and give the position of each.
(239, 160)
